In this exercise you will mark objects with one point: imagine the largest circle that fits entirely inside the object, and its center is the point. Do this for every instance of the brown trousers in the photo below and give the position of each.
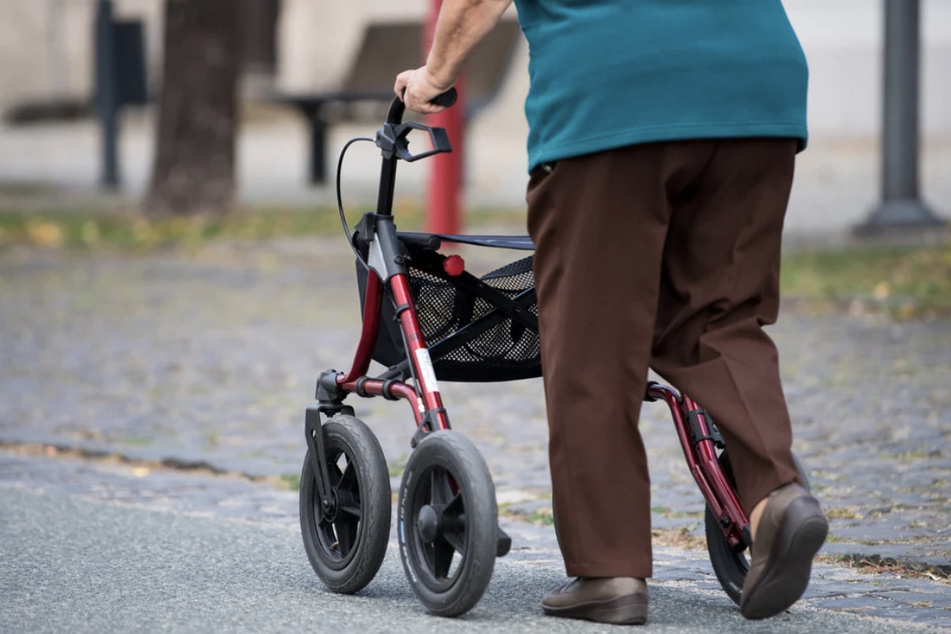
(663, 255)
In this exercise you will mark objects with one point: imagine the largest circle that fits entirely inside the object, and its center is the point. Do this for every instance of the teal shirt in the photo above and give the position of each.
(611, 73)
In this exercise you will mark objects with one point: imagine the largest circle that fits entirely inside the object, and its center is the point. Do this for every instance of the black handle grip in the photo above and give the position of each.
(447, 98)
(397, 107)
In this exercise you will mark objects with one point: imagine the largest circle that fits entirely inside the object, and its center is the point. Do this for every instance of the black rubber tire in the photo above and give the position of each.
(729, 564)
(449, 559)
(347, 549)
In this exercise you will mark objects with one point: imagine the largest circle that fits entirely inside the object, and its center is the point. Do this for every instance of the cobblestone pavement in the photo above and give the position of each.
(210, 358)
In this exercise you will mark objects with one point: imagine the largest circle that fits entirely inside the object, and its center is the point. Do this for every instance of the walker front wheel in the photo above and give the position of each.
(447, 523)
(346, 540)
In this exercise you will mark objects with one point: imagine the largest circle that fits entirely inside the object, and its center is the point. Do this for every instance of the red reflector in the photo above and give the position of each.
(453, 265)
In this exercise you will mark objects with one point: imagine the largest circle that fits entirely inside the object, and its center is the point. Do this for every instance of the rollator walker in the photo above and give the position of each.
(426, 319)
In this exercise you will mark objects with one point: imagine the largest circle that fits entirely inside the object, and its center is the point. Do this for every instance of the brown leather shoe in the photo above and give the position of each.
(790, 533)
(618, 600)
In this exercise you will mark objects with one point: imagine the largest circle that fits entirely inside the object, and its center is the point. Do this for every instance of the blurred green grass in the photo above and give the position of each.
(46, 217)
(79, 230)
(93, 230)
(906, 281)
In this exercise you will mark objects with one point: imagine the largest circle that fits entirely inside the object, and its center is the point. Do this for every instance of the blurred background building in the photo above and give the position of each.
(47, 57)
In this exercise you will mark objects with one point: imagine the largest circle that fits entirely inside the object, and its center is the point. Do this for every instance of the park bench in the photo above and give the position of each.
(367, 89)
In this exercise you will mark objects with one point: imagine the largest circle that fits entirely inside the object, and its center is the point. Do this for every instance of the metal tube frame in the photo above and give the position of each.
(699, 447)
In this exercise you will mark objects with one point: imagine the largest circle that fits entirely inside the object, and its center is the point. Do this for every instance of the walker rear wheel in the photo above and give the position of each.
(447, 523)
(730, 564)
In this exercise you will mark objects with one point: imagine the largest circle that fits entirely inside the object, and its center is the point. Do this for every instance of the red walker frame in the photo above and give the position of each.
(697, 438)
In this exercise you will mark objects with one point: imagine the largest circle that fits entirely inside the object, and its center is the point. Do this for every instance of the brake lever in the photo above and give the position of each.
(391, 139)
(437, 136)
(393, 142)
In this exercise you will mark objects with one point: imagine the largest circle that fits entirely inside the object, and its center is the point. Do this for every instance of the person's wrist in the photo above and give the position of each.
(438, 82)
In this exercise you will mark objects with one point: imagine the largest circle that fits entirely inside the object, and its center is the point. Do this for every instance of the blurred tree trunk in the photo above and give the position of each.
(194, 169)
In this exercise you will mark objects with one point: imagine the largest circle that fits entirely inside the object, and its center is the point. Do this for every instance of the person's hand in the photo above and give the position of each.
(417, 88)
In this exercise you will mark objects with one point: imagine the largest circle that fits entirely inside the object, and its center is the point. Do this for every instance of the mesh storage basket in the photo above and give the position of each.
(469, 337)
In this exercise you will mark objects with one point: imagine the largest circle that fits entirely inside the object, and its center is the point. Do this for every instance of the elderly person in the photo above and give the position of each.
(663, 136)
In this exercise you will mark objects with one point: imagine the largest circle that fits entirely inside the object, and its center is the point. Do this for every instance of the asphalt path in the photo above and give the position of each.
(75, 565)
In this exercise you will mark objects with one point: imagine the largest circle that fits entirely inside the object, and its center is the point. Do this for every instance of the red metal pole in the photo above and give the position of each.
(444, 196)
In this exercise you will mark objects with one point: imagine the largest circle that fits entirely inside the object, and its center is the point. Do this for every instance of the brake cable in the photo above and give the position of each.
(343, 217)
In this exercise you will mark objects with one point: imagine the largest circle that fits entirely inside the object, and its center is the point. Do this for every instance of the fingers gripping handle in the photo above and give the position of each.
(397, 108)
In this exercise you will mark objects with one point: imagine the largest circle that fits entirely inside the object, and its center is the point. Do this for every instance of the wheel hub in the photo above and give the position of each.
(328, 508)
(427, 523)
